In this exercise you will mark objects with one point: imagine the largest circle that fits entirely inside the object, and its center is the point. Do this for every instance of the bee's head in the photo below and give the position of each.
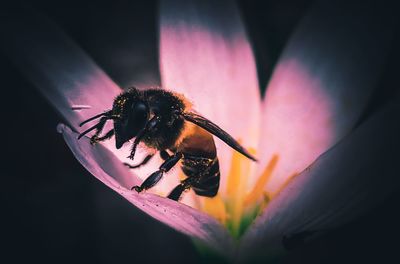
(132, 114)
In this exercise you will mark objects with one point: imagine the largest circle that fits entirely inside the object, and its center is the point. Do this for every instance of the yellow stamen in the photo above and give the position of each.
(265, 201)
(216, 208)
(237, 209)
(258, 189)
(236, 186)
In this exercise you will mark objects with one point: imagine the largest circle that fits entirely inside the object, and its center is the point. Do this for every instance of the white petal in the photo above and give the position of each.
(102, 163)
(343, 183)
(322, 84)
(206, 56)
(56, 65)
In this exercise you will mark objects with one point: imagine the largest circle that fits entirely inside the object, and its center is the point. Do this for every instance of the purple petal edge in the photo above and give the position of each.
(174, 214)
(342, 184)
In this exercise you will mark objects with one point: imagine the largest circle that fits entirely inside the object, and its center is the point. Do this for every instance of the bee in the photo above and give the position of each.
(165, 121)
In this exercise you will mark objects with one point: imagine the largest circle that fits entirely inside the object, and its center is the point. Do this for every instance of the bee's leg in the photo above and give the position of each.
(98, 127)
(152, 124)
(176, 193)
(164, 155)
(107, 113)
(144, 162)
(109, 134)
(157, 175)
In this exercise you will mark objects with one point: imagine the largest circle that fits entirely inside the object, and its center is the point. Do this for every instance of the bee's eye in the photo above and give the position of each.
(139, 109)
(135, 120)
(137, 117)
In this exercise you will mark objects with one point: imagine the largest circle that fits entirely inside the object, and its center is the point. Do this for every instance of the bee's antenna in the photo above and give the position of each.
(88, 130)
(95, 117)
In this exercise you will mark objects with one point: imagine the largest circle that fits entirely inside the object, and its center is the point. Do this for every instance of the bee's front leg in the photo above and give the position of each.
(99, 127)
(144, 162)
(156, 176)
(95, 138)
(150, 126)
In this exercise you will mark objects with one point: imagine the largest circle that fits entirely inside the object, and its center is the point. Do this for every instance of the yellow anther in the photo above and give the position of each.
(216, 208)
(236, 186)
(258, 189)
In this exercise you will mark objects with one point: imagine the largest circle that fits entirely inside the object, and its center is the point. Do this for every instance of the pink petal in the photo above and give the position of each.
(206, 56)
(56, 65)
(340, 185)
(102, 163)
(322, 84)
(68, 78)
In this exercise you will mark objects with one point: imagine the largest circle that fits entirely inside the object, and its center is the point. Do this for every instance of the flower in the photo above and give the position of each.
(309, 115)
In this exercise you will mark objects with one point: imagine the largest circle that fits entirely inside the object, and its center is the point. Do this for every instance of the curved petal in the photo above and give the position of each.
(322, 83)
(102, 163)
(343, 183)
(206, 56)
(56, 65)
(68, 78)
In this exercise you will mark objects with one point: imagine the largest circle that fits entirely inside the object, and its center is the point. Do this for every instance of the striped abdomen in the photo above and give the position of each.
(203, 174)
(200, 162)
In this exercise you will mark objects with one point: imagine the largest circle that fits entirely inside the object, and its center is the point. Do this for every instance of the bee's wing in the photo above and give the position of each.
(217, 131)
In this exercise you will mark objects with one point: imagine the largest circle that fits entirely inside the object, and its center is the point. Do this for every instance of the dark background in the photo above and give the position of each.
(54, 211)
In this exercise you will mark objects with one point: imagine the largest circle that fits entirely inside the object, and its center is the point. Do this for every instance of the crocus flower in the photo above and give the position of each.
(315, 157)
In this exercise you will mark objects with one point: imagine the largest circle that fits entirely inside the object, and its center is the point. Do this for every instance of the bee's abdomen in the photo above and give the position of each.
(203, 173)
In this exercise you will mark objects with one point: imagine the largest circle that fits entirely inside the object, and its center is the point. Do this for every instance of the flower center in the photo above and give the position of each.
(239, 207)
